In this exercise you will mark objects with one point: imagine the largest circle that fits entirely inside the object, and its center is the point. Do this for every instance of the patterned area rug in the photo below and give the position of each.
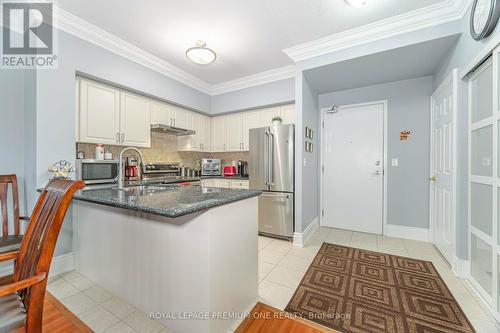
(353, 290)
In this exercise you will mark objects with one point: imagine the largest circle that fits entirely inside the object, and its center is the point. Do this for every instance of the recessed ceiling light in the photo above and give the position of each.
(359, 3)
(201, 54)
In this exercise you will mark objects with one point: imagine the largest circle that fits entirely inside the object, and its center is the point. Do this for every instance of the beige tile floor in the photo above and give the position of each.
(281, 267)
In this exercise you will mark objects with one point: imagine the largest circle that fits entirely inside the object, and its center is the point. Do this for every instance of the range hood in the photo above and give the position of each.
(167, 129)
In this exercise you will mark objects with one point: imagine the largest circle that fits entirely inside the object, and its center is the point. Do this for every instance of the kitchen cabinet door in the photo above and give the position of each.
(135, 120)
(207, 183)
(161, 113)
(189, 142)
(251, 119)
(180, 117)
(222, 183)
(206, 138)
(288, 114)
(99, 113)
(234, 132)
(240, 184)
(219, 128)
(267, 115)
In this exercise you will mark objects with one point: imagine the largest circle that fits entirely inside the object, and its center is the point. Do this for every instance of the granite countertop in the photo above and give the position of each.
(170, 201)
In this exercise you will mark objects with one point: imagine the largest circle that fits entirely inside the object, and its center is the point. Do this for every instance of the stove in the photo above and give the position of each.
(165, 173)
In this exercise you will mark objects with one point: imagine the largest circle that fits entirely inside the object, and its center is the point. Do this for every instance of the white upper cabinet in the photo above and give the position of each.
(109, 115)
(219, 128)
(180, 117)
(206, 138)
(251, 119)
(267, 115)
(288, 114)
(234, 138)
(135, 120)
(99, 117)
(161, 113)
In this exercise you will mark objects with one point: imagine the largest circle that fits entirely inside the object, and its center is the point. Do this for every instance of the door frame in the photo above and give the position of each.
(453, 77)
(385, 103)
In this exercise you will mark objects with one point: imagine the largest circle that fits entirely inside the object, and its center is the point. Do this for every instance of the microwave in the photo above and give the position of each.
(97, 171)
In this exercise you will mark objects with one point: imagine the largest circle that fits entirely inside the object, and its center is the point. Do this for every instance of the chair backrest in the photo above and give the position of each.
(39, 241)
(5, 180)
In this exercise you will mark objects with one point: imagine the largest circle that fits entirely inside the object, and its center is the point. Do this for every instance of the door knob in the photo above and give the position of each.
(433, 179)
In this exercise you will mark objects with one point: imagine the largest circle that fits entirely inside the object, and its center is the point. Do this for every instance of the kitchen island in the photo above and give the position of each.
(186, 254)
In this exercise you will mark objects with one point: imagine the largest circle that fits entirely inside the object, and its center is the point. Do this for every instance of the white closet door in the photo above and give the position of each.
(483, 177)
(443, 165)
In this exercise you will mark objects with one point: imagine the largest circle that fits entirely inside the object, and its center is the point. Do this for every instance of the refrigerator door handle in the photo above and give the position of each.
(266, 159)
(271, 158)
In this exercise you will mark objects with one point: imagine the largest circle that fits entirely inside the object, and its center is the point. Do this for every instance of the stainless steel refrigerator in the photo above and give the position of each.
(271, 170)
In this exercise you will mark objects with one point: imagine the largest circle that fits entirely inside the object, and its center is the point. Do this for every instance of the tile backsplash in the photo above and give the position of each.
(164, 149)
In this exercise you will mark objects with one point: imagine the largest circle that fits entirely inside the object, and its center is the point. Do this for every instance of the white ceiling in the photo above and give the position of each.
(408, 62)
(248, 36)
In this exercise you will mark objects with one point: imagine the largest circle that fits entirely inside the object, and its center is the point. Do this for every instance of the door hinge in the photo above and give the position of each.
(323, 124)
(323, 213)
(323, 168)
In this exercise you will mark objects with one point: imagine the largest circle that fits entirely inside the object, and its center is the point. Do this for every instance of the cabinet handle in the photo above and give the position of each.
(224, 147)
(174, 122)
(117, 139)
(123, 137)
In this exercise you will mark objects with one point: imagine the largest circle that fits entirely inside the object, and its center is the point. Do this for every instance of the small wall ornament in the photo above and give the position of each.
(405, 135)
(61, 170)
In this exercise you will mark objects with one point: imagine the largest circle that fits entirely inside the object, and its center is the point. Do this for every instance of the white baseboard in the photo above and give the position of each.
(60, 264)
(461, 268)
(301, 238)
(413, 233)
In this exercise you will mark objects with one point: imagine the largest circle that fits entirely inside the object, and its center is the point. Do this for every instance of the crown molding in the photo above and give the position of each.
(433, 15)
(258, 79)
(75, 26)
(437, 14)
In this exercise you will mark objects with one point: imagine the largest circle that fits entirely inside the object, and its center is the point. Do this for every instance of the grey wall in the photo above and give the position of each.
(12, 131)
(460, 56)
(408, 109)
(307, 164)
(277, 92)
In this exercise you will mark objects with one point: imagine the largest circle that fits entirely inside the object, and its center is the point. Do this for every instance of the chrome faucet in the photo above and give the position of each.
(121, 179)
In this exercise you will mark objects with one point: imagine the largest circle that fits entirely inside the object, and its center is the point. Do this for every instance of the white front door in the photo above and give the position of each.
(353, 157)
(442, 208)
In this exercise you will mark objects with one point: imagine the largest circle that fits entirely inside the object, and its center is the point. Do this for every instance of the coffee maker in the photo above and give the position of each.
(242, 168)
(131, 169)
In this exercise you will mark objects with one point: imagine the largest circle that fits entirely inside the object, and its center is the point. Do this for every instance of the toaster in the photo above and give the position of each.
(230, 170)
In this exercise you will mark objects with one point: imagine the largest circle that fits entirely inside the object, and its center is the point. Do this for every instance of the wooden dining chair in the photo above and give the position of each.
(21, 302)
(11, 239)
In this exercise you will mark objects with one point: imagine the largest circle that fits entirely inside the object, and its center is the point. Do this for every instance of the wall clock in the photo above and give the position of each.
(484, 18)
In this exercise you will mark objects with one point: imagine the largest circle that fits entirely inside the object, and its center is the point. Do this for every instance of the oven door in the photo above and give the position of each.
(97, 171)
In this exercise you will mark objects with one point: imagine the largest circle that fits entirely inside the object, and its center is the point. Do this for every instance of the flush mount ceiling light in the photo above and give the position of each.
(201, 54)
(359, 3)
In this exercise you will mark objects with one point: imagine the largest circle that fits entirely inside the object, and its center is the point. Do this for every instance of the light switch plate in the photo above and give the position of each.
(395, 162)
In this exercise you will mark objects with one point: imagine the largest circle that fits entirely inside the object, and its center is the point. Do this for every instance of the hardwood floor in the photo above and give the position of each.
(56, 317)
(266, 319)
